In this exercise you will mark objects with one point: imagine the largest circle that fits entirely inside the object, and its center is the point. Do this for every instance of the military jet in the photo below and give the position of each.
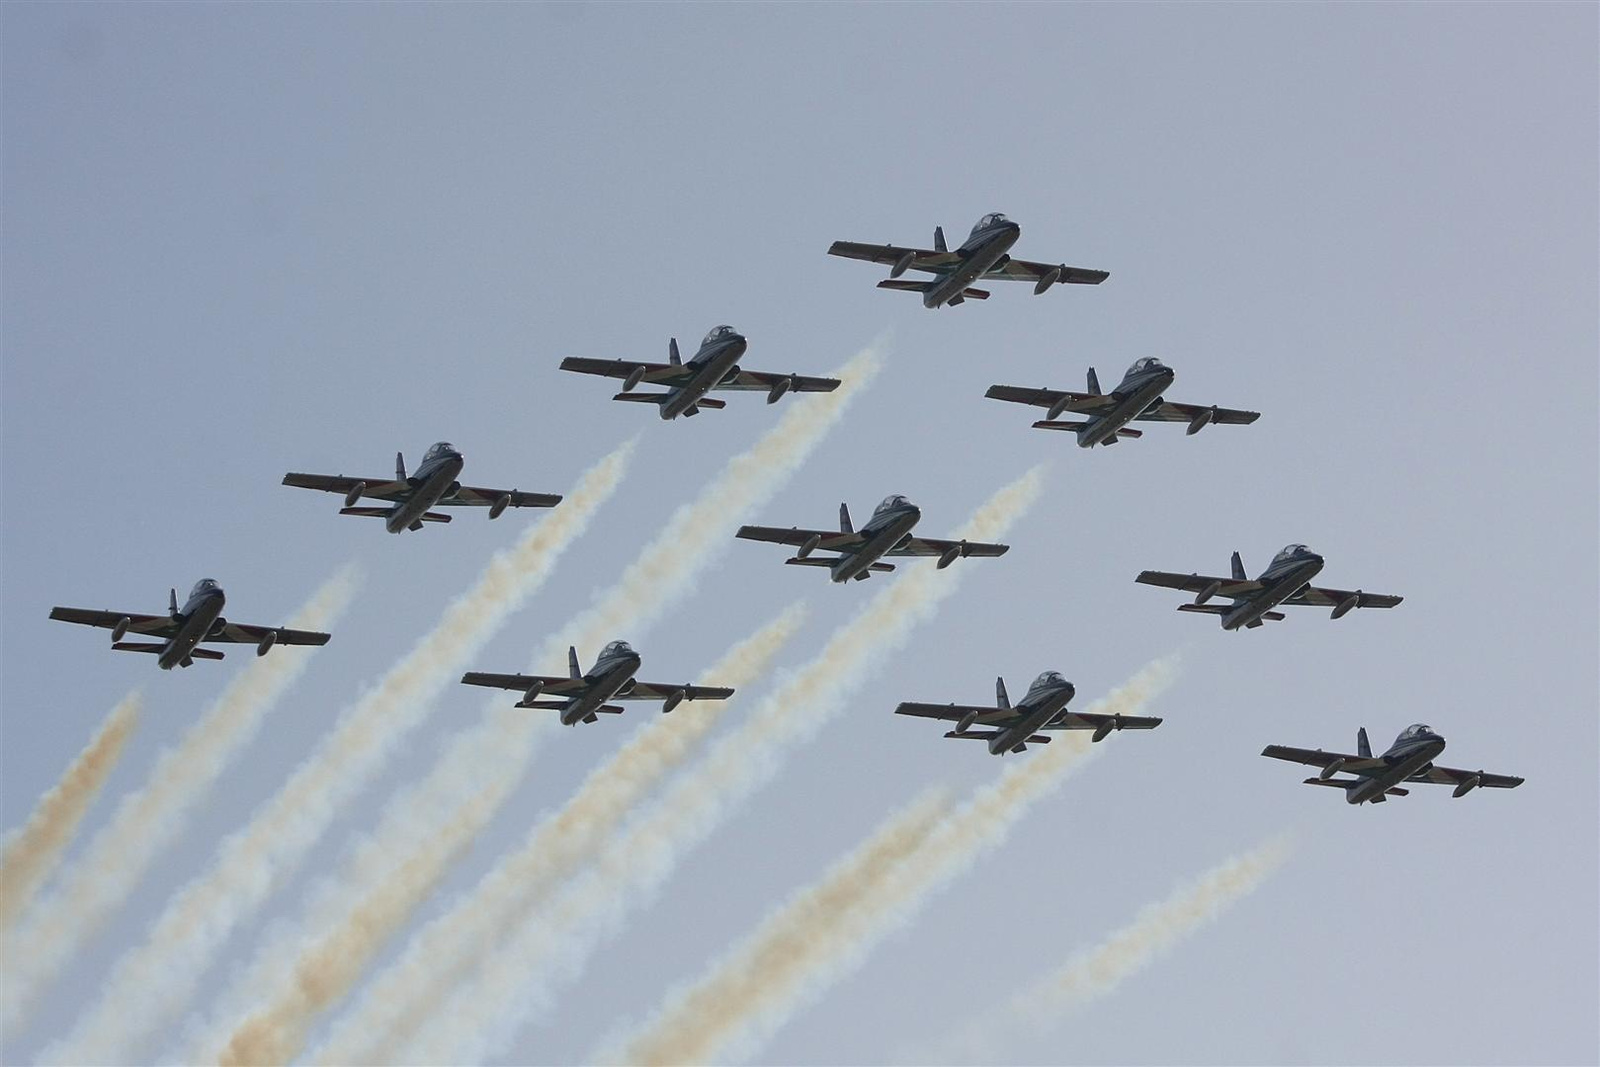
(1043, 708)
(1409, 759)
(1285, 581)
(586, 695)
(412, 499)
(1136, 397)
(200, 619)
(714, 366)
(983, 256)
(887, 533)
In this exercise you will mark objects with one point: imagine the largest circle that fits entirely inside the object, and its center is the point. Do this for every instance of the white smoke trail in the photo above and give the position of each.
(147, 820)
(152, 982)
(841, 940)
(443, 951)
(519, 977)
(1097, 971)
(34, 849)
(768, 964)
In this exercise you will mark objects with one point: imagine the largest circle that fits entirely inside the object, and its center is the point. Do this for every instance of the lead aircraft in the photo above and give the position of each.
(1044, 707)
(586, 695)
(412, 498)
(1285, 581)
(1409, 759)
(714, 366)
(200, 619)
(983, 256)
(887, 533)
(1136, 398)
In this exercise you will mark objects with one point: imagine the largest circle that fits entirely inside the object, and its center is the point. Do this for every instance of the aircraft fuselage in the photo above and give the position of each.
(1134, 394)
(980, 253)
(711, 364)
(1404, 758)
(432, 482)
(1038, 709)
(609, 676)
(883, 532)
(200, 614)
(1280, 581)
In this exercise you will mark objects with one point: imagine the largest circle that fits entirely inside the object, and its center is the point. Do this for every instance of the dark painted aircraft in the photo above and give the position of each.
(1015, 728)
(983, 256)
(887, 533)
(1409, 759)
(412, 499)
(1286, 581)
(1106, 415)
(714, 366)
(183, 629)
(585, 696)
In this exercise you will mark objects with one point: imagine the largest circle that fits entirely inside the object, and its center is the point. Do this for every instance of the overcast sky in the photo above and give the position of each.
(241, 240)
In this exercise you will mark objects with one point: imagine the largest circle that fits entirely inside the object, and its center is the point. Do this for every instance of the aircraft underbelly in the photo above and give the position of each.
(880, 542)
(195, 627)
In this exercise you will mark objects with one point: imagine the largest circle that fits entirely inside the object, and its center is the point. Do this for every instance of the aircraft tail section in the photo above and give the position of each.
(808, 561)
(1094, 383)
(1001, 700)
(1337, 783)
(643, 398)
(573, 670)
(845, 525)
(399, 466)
(973, 735)
(938, 239)
(138, 646)
(1363, 746)
(1206, 609)
(905, 285)
(1057, 424)
(672, 352)
(1238, 569)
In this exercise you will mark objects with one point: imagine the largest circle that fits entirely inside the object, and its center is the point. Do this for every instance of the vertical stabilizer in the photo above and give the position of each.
(1000, 699)
(572, 662)
(1238, 569)
(172, 602)
(1363, 746)
(938, 239)
(399, 466)
(672, 352)
(1094, 383)
(845, 525)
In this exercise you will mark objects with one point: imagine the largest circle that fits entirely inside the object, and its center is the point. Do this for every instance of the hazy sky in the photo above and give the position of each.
(241, 240)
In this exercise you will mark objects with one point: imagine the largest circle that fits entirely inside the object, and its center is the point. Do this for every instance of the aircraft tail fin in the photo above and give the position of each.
(172, 603)
(1001, 700)
(1238, 569)
(938, 240)
(572, 662)
(399, 466)
(1094, 383)
(905, 285)
(845, 525)
(1363, 746)
(672, 353)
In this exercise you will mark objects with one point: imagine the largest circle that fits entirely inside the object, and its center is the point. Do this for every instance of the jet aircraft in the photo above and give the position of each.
(714, 366)
(1409, 759)
(1043, 708)
(1136, 397)
(887, 533)
(1286, 581)
(584, 696)
(983, 256)
(412, 499)
(182, 629)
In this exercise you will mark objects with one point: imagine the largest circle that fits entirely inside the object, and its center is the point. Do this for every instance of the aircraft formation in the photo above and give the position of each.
(407, 503)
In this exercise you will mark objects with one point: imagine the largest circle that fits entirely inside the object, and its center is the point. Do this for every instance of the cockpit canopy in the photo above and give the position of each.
(1415, 730)
(994, 218)
(204, 585)
(1048, 678)
(439, 449)
(1145, 364)
(616, 648)
(1288, 551)
(718, 333)
(895, 501)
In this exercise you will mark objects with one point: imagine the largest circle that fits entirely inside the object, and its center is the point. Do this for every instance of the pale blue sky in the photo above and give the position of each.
(241, 240)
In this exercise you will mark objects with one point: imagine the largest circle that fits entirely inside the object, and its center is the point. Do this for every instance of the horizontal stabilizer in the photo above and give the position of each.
(710, 402)
(1130, 433)
(1273, 616)
(881, 568)
(643, 398)
(138, 646)
(1039, 739)
(435, 516)
(810, 561)
(1337, 783)
(973, 735)
(975, 294)
(205, 653)
(1206, 609)
(905, 285)
(1052, 424)
(609, 709)
(1396, 791)
(548, 705)
(371, 513)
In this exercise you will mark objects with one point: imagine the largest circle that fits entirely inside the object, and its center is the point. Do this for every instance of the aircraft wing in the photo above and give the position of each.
(1194, 583)
(1318, 758)
(654, 373)
(1166, 411)
(933, 546)
(832, 540)
(1021, 270)
(655, 691)
(1332, 598)
(1089, 720)
(152, 625)
(473, 496)
(984, 716)
(558, 685)
(239, 633)
(924, 259)
(372, 488)
(1081, 403)
(1450, 776)
(766, 382)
